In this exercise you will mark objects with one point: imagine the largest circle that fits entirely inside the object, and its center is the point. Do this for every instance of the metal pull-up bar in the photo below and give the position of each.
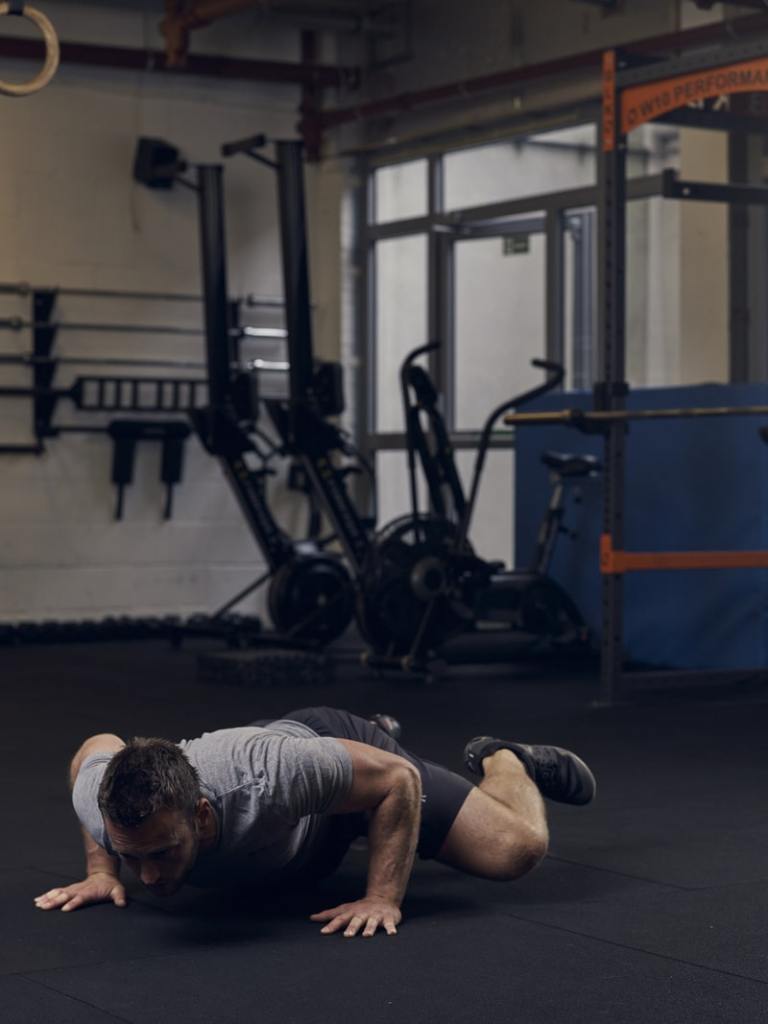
(615, 562)
(590, 420)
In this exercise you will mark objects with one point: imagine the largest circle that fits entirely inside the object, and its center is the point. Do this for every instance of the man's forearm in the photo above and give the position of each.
(97, 860)
(393, 834)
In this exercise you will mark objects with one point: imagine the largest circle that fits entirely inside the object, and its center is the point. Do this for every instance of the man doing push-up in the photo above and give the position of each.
(281, 801)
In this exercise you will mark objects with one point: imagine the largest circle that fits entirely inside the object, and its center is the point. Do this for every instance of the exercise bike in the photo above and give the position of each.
(423, 585)
(417, 584)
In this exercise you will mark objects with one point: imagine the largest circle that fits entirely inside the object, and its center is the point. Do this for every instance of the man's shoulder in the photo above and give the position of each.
(243, 736)
(228, 759)
(85, 793)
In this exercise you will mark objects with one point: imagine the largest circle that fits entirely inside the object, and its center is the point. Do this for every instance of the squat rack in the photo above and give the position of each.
(632, 96)
(635, 93)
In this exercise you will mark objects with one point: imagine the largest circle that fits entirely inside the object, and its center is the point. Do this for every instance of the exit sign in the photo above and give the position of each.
(513, 245)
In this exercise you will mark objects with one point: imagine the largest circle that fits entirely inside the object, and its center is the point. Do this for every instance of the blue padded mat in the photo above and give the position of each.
(691, 484)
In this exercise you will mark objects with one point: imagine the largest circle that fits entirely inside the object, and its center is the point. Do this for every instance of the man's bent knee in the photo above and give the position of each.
(519, 856)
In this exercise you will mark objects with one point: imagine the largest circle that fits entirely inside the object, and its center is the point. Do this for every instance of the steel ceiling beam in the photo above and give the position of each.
(124, 58)
(745, 28)
(183, 16)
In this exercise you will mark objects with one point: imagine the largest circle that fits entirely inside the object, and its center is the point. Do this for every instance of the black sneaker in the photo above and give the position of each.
(388, 724)
(559, 774)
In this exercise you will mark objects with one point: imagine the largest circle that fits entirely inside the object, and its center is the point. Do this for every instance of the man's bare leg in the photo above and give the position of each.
(501, 830)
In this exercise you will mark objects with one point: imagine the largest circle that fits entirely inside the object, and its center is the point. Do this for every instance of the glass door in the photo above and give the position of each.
(497, 321)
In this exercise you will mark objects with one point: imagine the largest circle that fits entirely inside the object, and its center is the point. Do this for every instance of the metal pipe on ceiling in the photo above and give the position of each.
(707, 5)
(729, 31)
(125, 58)
(180, 19)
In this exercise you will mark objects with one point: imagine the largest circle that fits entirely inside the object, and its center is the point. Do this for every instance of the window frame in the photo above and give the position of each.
(442, 228)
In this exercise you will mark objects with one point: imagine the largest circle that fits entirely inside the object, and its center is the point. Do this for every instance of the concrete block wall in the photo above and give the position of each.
(70, 215)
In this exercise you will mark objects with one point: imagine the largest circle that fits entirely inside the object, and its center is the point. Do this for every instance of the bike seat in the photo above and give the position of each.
(571, 465)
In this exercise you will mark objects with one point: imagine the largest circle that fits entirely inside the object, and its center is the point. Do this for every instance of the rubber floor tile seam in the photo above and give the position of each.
(634, 949)
(74, 999)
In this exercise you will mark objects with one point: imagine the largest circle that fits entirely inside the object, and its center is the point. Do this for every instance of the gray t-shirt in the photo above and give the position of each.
(271, 789)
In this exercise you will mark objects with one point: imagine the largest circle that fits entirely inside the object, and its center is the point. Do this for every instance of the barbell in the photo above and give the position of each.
(24, 359)
(17, 323)
(24, 288)
(584, 418)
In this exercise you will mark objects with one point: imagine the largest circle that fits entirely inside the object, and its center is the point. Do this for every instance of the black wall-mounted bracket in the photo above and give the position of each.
(126, 434)
(44, 367)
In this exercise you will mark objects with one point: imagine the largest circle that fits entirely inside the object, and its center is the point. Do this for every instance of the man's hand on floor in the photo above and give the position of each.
(369, 914)
(97, 888)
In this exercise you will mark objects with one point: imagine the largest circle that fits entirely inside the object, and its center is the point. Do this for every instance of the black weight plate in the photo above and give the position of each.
(311, 599)
(391, 616)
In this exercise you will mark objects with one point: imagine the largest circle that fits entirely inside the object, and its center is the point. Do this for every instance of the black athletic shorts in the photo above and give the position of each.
(443, 792)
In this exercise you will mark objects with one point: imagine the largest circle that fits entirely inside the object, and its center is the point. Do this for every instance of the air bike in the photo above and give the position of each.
(418, 586)
(424, 591)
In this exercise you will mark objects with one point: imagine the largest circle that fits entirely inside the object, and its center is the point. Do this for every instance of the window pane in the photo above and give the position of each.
(580, 293)
(493, 523)
(401, 319)
(653, 335)
(526, 166)
(493, 526)
(499, 324)
(393, 487)
(653, 148)
(400, 191)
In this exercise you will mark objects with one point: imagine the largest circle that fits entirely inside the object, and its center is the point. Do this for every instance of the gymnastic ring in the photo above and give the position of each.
(51, 54)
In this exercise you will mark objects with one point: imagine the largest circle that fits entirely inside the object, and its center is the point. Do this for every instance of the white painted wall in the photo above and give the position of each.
(71, 215)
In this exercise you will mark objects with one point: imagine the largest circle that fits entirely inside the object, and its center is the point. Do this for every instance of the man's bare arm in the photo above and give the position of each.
(97, 860)
(102, 882)
(389, 788)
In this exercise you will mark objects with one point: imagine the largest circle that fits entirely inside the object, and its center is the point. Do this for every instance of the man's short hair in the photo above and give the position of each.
(147, 776)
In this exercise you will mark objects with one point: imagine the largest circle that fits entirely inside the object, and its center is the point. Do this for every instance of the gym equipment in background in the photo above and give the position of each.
(310, 598)
(51, 63)
(126, 434)
(94, 394)
(302, 420)
(422, 581)
(418, 583)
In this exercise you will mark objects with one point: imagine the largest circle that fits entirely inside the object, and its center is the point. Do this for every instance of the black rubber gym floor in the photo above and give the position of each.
(652, 905)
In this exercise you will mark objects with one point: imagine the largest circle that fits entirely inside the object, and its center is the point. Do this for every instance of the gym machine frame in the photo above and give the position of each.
(634, 95)
(538, 615)
(306, 434)
(301, 573)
